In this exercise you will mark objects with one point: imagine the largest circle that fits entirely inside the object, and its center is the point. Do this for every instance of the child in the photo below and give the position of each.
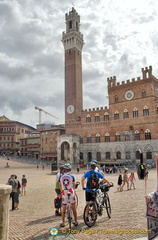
(131, 179)
(119, 183)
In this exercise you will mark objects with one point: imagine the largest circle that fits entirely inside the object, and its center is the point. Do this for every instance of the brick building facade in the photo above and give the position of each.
(115, 132)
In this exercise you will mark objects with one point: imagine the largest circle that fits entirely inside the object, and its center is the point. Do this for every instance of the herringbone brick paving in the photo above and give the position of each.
(36, 215)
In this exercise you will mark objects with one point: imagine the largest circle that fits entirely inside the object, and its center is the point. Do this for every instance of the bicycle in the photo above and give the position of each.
(68, 206)
(96, 207)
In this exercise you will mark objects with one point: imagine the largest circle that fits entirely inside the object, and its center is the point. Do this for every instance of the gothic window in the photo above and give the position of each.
(138, 154)
(117, 137)
(118, 155)
(70, 24)
(145, 111)
(89, 156)
(116, 99)
(135, 113)
(88, 119)
(125, 114)
(116, 115)
(107, 137)
(89, 139)
(106, 117)
(97, 138)
(136, 135)
(81, 155)
(143, 93)
(107, 155)
(98, 156)
(148, 155)
(97, 118)
(147, 134)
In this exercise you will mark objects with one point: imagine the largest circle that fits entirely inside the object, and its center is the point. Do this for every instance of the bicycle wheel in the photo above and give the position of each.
(90, 214)
(108, 206)
(69, 215)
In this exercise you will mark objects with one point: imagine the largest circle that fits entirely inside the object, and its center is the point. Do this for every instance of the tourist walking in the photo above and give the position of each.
(12, 181)
(125, 179)
(16, 205)
(132, 179)
(119, 182)
(23, 183)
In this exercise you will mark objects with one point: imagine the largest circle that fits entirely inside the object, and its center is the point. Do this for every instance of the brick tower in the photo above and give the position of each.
(73, 43)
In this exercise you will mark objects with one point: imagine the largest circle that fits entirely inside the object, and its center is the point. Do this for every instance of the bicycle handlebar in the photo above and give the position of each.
(77, 184)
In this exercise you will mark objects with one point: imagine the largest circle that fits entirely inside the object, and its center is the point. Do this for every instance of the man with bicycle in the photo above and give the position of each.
(88, 194)
(67, 184)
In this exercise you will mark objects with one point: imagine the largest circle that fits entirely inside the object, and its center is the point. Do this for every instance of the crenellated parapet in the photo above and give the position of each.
(96, 109)
(146, 73)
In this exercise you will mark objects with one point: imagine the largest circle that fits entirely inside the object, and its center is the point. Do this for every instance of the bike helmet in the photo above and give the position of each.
(94, 161)
(61, 167)
(93, 165)
(67, 167)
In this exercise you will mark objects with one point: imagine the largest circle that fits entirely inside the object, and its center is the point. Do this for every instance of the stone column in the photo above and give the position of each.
(5, 191)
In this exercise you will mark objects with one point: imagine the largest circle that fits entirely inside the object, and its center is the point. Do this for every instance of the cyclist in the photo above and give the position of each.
(97, 168)
(67, 184)
(57, 190)
(88, 194)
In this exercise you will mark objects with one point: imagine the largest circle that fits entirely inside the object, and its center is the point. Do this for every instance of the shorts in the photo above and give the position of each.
(58, 192)
(89, 196)
(65, 198)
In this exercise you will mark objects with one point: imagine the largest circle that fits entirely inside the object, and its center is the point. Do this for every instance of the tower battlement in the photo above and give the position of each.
(146, 73)
(96, 109)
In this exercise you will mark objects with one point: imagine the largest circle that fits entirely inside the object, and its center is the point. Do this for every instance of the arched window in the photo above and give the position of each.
(88, 118)
(125, 114)
(97, 138)
(89, 156)
(116, 115)
(106, 117)
(117, 137)
(145, 111)
(135, 113)
(118, 155)
(107, 155)
(148, 154)
(147, 134)
(116, 99)
(97, 117)
(137, 154)
(136, 135)
(89, 139)
(107, 137)
(98, 156)
(81, 155)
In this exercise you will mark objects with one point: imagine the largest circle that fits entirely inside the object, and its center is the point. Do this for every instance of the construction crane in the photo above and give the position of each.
(41, 110)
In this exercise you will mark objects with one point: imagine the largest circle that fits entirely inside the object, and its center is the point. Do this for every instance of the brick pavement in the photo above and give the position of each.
(36, 216)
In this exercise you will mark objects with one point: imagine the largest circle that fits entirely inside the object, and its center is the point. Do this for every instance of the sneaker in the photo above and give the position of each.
(87, 219)
(75, 223)
(62, 224)
(57, 213)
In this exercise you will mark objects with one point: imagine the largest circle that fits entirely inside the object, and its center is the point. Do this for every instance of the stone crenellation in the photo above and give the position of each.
(146, 73)
(96, 109)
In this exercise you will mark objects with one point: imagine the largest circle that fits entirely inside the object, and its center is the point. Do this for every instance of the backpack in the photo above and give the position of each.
(93, 181)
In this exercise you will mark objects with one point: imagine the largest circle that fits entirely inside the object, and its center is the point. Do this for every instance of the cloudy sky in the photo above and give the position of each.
(121, 37)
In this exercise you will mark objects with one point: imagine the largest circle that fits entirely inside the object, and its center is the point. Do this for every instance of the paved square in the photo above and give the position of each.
(36, 217)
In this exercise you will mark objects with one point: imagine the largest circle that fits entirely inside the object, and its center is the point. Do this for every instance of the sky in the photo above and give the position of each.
(121, 37)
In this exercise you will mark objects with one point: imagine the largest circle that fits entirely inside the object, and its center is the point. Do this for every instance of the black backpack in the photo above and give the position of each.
(93, 181)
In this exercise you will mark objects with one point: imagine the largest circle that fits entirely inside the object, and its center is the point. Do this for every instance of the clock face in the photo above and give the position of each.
(70, 109)
(129, 95)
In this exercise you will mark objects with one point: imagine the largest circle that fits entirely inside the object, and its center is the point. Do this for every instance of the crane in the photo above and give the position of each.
(42, 110)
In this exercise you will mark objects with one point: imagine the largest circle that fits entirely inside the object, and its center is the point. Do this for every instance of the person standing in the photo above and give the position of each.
(119, 182)
(23, 183)
(87, 176)
(12, 181)
(67, 184)
(132, 179)
(16, 205)
(57, 201)
(125, 179)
